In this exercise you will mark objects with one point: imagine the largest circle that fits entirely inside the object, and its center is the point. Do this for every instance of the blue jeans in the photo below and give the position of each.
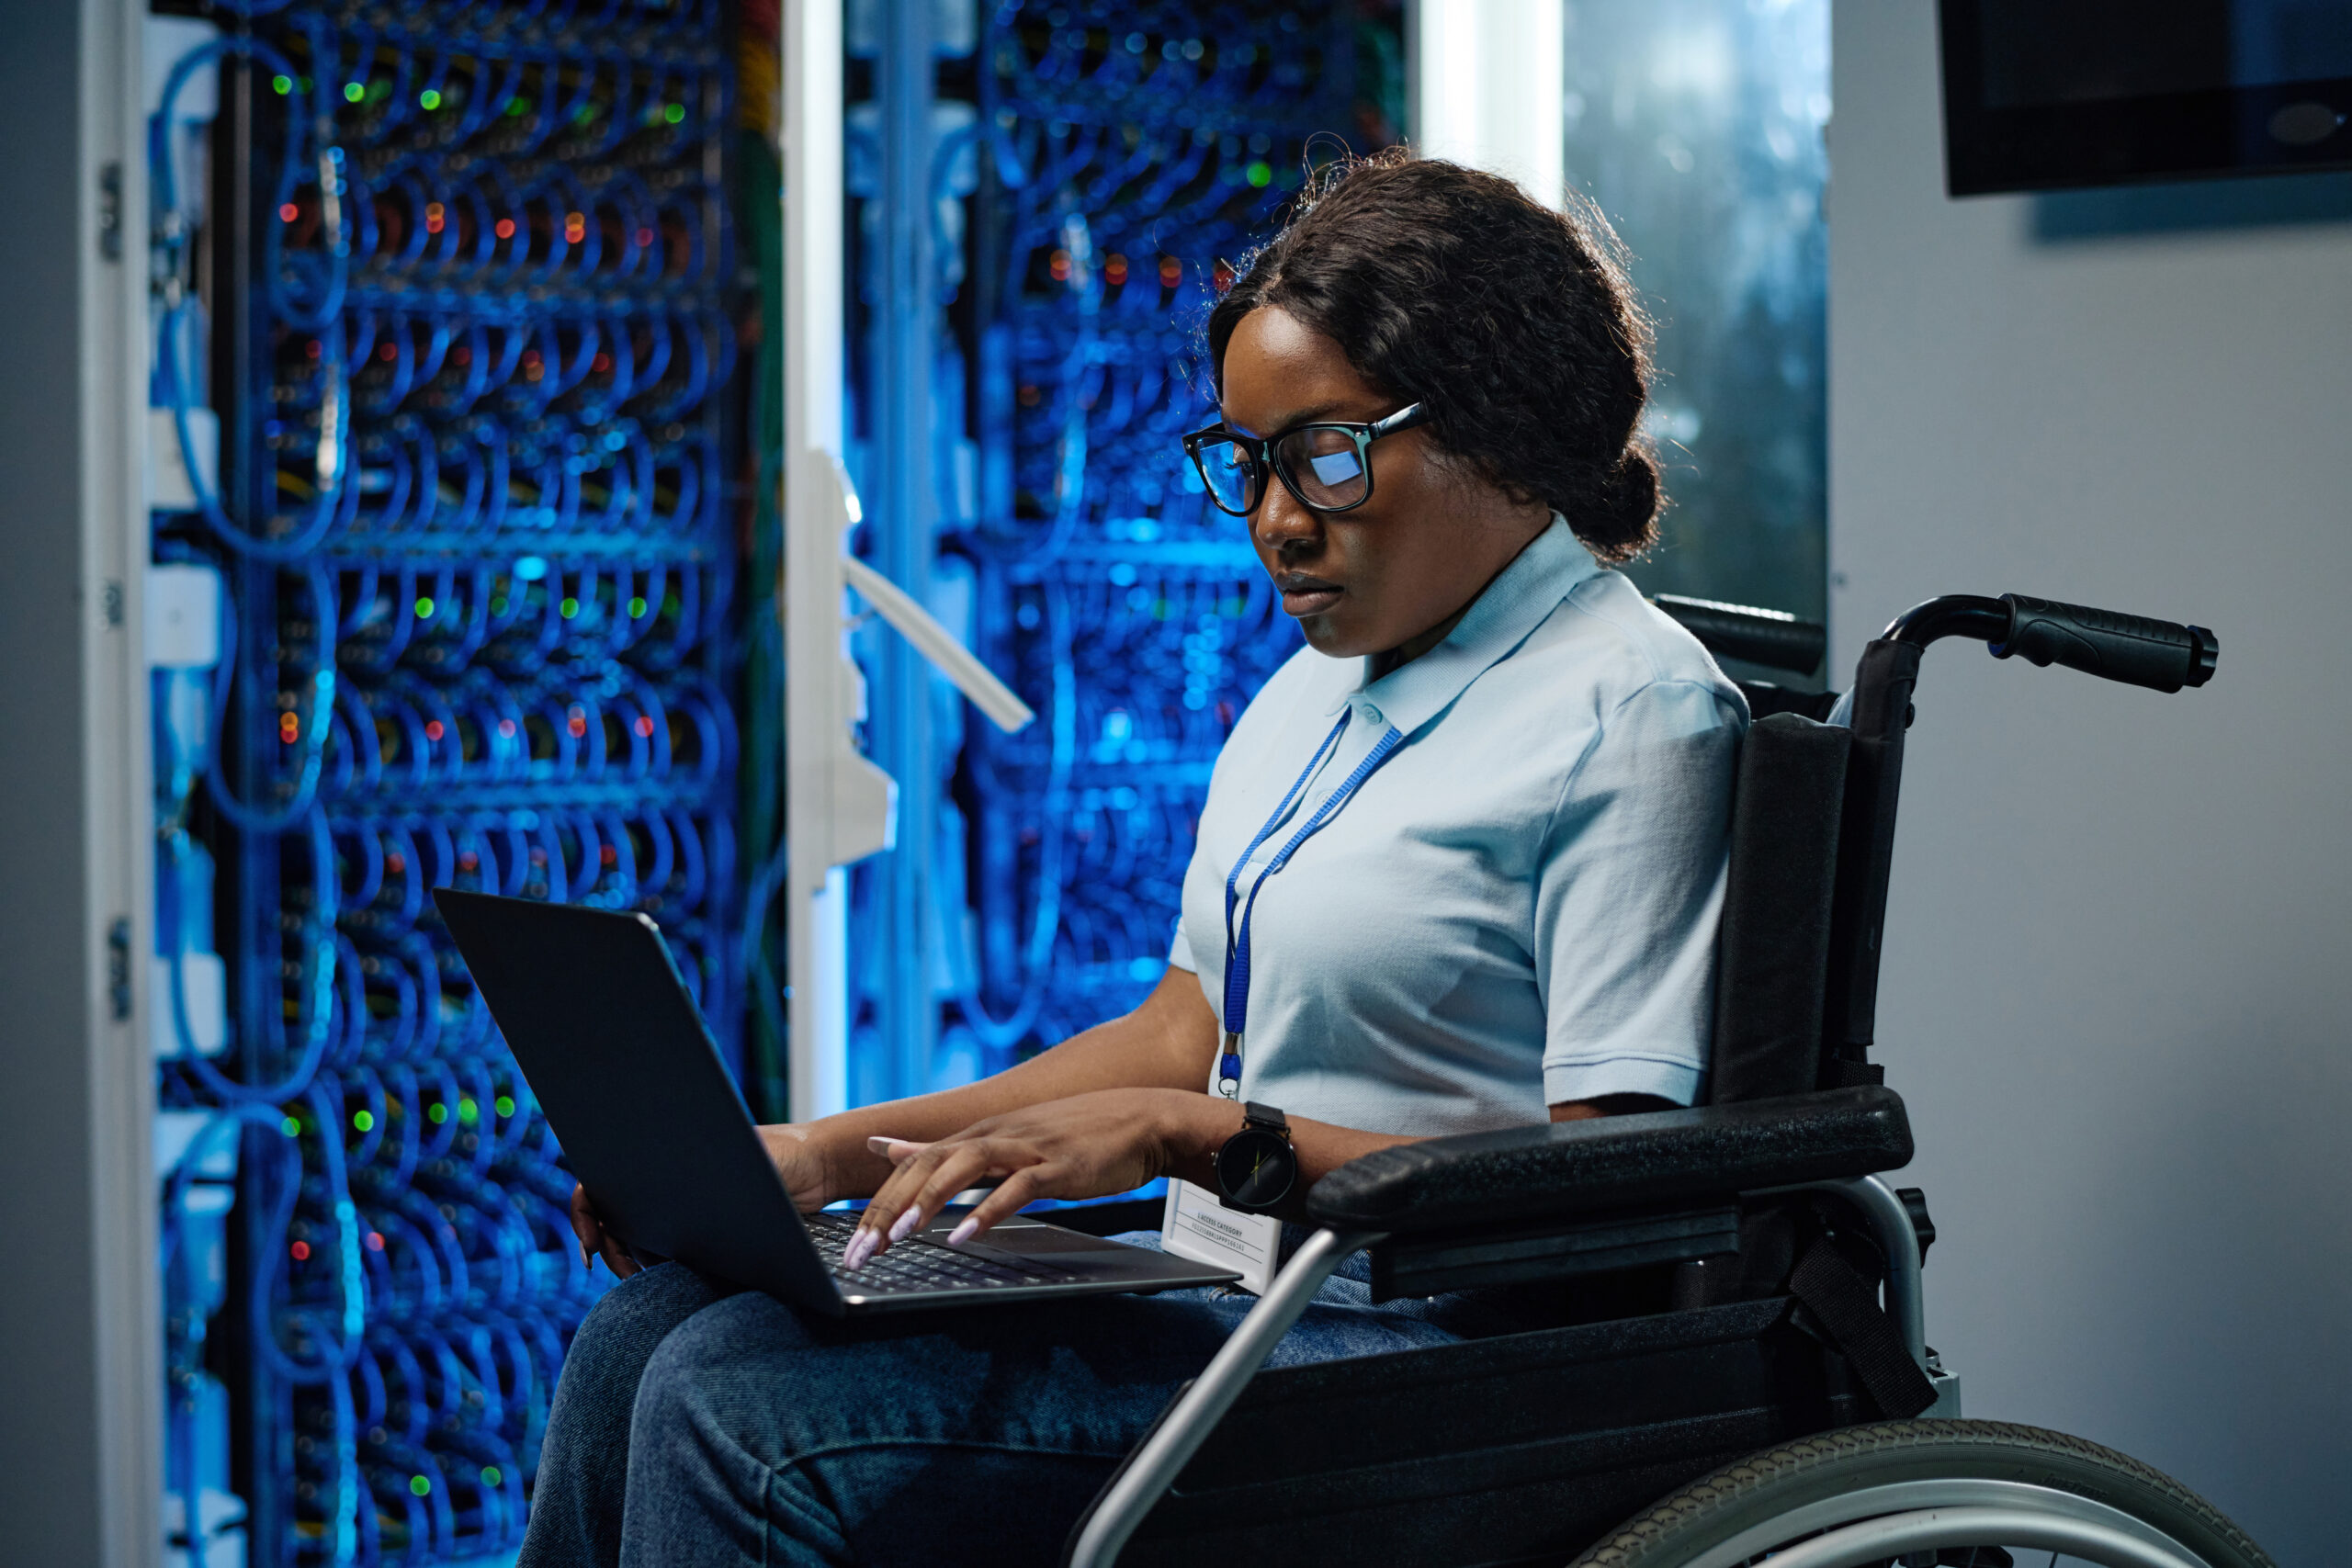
(697, 1426)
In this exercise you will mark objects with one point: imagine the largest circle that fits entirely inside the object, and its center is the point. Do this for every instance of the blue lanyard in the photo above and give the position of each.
(1236, 942)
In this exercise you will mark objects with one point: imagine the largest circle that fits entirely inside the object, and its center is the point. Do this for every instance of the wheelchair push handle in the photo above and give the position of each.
(2162, 656)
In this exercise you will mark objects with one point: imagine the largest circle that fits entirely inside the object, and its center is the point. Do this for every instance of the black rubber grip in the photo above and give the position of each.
(2161, 655)
(1769, 638)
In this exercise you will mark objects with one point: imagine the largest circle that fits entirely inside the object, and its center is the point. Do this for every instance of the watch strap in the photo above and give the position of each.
(1266, 1117)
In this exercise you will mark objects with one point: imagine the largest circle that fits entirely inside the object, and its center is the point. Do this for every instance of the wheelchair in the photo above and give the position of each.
(1743, 1373)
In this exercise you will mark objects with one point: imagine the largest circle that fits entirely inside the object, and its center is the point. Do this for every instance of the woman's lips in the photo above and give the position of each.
(1303, 595)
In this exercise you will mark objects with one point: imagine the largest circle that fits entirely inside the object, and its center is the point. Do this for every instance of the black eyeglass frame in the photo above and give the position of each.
(1262, 453)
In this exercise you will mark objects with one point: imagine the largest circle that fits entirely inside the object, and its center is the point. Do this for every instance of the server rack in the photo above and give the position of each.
(470, 309)
(1113, 162)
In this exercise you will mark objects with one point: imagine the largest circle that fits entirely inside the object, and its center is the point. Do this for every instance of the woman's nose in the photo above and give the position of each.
(1285, 525)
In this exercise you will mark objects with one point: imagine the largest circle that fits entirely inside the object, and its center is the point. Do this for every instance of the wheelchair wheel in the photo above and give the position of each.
(1961, 1494)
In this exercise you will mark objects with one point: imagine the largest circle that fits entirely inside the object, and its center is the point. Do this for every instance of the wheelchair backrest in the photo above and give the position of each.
(1773, 944)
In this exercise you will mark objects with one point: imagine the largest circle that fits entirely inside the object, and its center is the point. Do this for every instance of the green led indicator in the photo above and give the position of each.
(429, 99)
(364, 1120)
(419, 1485)
(423, 608)
(284, 84)
(436, 1113)
(490, 1476)
(354, 90)
(505, 1105)
(1259, 174)
(675, 114)
(636, 606)
(468, 1112)
(498, 606)
(570, 607)
(291, 1126)
(517, 107)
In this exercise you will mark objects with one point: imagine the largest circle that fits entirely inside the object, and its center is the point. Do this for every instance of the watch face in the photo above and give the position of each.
(1256, 1168)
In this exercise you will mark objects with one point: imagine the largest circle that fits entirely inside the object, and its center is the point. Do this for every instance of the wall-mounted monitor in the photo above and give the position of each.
(2040, 95)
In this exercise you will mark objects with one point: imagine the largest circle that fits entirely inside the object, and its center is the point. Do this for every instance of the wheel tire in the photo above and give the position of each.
(1753, 1491)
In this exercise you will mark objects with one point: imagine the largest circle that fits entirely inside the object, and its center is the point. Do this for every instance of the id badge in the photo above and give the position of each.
(1197, 1224)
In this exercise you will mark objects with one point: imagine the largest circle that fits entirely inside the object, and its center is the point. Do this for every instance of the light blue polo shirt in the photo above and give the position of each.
(1519, 907)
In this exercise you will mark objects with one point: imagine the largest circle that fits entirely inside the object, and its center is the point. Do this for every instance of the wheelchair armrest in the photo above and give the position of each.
(1614, 1162)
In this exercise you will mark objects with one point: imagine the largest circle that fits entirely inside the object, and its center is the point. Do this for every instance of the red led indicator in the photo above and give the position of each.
(288, 213)
(506, 228)
(301, 1251)
(644, 725)
(433, 729)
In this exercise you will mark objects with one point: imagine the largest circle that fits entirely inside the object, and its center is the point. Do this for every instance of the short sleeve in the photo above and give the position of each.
(1628, 897)
(1180, 950)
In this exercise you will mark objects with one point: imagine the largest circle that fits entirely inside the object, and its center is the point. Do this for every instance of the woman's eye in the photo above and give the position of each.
(1336, 468)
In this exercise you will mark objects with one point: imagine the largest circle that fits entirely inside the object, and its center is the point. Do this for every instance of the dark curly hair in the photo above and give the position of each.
(1515, 323)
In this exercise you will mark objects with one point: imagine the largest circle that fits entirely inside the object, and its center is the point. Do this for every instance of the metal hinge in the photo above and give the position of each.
(118, 968)
(110, 211)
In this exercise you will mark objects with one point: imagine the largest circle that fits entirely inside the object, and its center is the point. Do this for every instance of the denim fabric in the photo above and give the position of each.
(583, 1461)
(750, 1432)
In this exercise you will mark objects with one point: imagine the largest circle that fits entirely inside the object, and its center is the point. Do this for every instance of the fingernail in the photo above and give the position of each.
(904, 1224)
(860, 1248)
(887, 1148)
(962, 1233)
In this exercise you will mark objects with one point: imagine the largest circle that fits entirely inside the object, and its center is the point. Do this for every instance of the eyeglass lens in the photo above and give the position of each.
(1230, 474)
(1325, 465)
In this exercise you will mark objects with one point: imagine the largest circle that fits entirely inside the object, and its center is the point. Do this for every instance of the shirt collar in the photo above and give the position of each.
(1513, 605)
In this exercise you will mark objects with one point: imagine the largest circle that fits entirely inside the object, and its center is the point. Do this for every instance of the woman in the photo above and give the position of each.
(1480, 821)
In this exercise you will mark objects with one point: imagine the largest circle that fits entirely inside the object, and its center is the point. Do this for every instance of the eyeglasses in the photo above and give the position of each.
(1326, 466)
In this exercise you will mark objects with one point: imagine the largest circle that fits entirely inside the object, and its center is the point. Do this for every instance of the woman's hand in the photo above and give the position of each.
(596, 1241)
(802, 1161)
(1088, 1145)
(799, 1159)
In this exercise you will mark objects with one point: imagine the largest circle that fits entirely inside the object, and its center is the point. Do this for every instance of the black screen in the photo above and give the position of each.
(2071, 52)
(2047, 93)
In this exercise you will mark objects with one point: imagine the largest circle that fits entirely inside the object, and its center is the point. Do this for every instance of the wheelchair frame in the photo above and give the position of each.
(1635, 1197)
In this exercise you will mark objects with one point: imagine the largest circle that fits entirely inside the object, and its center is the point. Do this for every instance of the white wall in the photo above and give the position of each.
(2118, 988)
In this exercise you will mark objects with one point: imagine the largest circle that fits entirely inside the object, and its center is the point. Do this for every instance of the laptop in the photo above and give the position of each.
(611, 1043)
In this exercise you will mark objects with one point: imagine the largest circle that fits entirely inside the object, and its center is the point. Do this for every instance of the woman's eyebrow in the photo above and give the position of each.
(1295, 417)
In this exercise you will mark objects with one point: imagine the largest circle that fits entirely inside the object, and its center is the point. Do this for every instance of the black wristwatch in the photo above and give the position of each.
(1257, 1167)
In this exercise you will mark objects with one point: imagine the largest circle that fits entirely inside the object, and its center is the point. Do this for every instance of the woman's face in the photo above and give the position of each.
(1391, 576)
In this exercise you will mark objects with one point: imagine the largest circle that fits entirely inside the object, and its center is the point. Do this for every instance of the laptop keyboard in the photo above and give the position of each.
(918, 1263)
